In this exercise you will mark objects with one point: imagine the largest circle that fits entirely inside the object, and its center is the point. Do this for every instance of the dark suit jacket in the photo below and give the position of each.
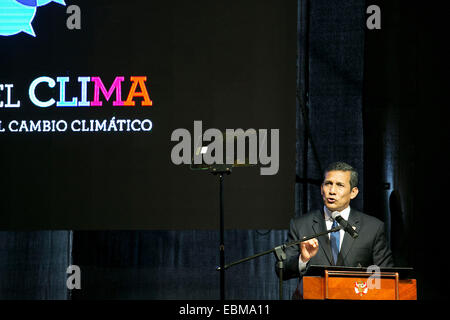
(369, 248)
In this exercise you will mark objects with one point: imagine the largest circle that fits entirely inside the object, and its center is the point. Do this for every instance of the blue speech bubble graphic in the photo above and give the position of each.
(30, 3)
(16, 15)
(41, 3)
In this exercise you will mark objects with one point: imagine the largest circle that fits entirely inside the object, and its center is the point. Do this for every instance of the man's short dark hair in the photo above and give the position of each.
(342, 166)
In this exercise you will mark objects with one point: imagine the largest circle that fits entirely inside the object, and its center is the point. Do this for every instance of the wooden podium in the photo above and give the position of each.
(325, 282)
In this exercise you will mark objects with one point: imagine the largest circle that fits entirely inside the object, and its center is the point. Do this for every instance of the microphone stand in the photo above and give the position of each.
(280, 254)
(221, 170)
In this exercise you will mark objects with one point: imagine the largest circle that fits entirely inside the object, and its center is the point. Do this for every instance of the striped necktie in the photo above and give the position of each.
(334, 240)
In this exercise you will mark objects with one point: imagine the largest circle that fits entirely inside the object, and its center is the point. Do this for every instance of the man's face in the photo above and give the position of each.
(336, 191)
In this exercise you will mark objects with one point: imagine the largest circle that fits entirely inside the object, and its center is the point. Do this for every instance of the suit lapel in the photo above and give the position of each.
(324, 242)
(354, 220)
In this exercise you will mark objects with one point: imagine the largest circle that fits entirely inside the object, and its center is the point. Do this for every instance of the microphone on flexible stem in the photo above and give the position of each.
(344, 223)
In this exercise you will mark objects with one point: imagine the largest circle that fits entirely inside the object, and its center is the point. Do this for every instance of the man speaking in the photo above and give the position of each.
(363, 244)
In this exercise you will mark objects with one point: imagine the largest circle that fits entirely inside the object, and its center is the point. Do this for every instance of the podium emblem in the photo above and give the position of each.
(361, 288)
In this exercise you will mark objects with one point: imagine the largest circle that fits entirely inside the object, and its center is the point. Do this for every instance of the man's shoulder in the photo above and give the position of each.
(307, 217)
(315, 215)
(367, 218)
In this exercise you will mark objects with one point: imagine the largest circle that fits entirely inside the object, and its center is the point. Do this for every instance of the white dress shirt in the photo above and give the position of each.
(329, 222)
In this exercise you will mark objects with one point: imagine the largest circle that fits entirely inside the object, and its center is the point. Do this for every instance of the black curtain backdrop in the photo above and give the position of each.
(33, 264)
(175, 265)
(405, 137)
(329, 110)
(372, 98)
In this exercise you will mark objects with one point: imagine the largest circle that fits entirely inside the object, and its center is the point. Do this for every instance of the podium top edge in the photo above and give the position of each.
(319, 270)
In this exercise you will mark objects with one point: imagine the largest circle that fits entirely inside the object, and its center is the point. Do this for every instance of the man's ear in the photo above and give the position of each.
(354, 193)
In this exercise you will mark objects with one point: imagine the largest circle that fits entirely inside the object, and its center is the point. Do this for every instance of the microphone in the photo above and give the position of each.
(344, 223)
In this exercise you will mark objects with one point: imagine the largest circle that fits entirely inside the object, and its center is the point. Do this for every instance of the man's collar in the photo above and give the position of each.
(344, 213)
